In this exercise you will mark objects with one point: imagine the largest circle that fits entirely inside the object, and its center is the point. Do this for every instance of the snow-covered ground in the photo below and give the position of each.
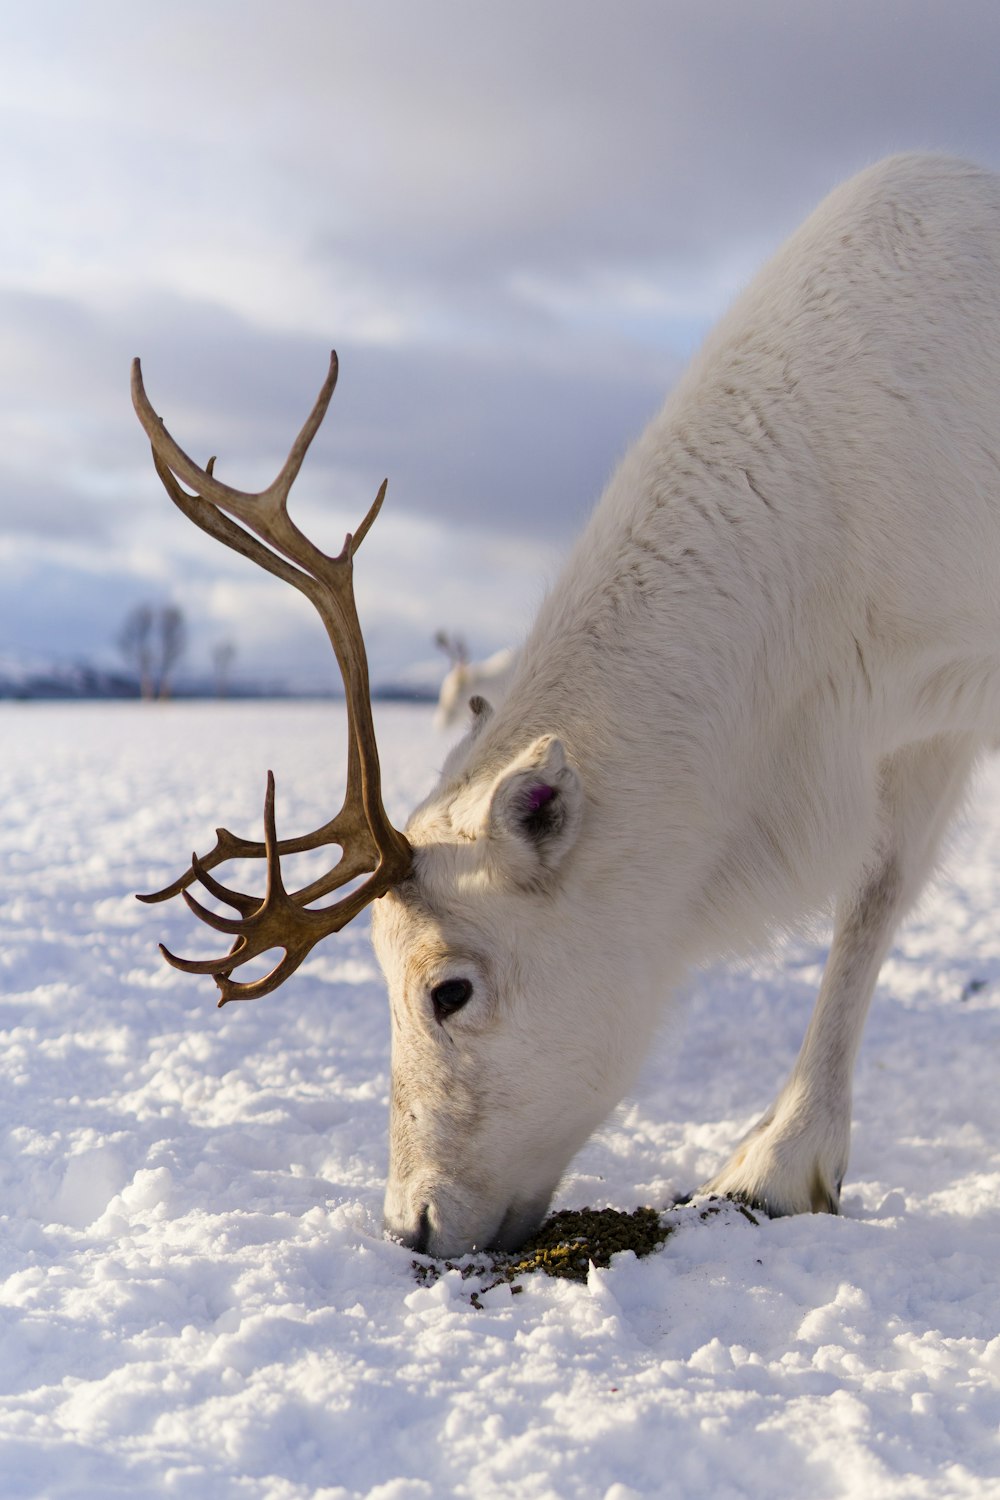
(195, 1298)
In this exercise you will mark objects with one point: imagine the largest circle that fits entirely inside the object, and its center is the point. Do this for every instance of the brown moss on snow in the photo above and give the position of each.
(566, 1245)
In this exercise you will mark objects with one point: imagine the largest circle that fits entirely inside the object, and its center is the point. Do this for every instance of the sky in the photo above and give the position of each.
(514, 223)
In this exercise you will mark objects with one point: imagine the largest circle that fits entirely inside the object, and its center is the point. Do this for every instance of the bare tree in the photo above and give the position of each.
(171, 640)
(135, 642)
(223, 655)
(152, 641)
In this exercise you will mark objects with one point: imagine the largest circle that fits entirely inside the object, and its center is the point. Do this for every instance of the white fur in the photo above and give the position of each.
(469, 679)
(757, 689)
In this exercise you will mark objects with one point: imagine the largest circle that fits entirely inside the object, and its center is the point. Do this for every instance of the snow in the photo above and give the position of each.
(195, 1298)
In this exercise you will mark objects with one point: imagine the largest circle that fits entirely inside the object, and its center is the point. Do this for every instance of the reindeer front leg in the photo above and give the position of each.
(795, 1157)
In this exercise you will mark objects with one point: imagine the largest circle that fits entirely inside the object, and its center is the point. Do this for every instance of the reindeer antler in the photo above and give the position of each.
(368, 841)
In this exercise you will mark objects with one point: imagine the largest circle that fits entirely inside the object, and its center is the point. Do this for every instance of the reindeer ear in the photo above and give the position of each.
(482, 713)
(535, 812)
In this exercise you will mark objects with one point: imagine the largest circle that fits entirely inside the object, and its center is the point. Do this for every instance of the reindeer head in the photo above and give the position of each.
(453, 694)
(469, 947)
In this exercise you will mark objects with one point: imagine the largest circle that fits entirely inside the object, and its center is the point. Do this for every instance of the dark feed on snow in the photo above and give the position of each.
(565, 1246)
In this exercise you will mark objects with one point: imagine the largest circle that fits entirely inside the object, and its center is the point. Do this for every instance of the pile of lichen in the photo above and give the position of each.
(566, 1245)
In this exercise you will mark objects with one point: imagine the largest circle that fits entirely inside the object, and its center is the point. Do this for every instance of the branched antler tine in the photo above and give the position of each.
(347, 868)
(296, 949)
(168, 892)
(259, 933)
(353, 542)
(202, 511)
(275, 884)
(293, 463)
(170, 452)
(312, 925)
(294, 559)
(234, 989)
(243, 903)
(351, 864)
(337, 831)
(232, 925)
(198, 870)
(213, 966)
(203, 481)
(248, 906)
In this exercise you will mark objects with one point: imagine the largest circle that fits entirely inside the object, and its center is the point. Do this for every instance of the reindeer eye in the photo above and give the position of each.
(450, 996)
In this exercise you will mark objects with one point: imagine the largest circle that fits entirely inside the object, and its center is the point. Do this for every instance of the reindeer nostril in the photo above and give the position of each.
(422, 1238)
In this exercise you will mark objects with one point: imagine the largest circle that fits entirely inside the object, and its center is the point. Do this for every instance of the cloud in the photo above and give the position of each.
(513, 222)
(476, 508)
(430, 151)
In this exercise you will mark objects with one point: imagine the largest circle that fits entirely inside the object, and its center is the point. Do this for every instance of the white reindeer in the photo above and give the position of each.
(467, 679)
(758, 687)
